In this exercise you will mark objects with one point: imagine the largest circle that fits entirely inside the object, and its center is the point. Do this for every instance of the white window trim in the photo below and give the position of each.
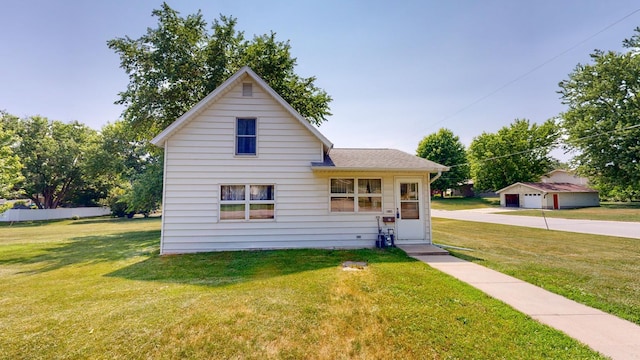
(247, 202)
(355, 195)
(235, 138)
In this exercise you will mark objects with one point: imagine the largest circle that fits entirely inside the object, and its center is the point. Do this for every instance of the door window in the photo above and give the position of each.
(409, 201)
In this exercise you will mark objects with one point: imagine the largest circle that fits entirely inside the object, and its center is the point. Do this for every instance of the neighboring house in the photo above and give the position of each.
(464, 189)
(548, 196)
(244, 170)
(564, 176)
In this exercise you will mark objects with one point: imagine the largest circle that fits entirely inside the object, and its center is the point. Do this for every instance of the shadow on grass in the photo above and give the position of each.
(111, 220)
(92, 249)
(633, 205)
(233, 267)
(464, 256)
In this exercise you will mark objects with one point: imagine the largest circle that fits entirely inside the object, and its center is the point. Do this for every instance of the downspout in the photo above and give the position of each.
(429, 207)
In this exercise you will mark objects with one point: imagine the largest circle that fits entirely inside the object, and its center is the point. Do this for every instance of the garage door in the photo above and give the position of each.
(511, 200)
(532, 201)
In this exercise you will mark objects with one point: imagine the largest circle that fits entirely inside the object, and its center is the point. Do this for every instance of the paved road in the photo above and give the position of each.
(610, 228)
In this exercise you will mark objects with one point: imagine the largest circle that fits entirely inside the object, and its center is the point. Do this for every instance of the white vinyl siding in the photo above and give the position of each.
(200, 158)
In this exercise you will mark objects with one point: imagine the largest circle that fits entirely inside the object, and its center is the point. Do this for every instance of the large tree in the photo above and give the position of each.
(56, 162)
(133, 168)
(445, 148)
(603, 119)
(177, 63)
(10, 165)
(518, 152)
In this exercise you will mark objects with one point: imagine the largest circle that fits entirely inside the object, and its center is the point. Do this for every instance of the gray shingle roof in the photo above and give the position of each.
(553, 187)
(375, 159)
(559, 187)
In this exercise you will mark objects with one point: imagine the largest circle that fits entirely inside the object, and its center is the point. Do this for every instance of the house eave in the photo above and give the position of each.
(331, 169)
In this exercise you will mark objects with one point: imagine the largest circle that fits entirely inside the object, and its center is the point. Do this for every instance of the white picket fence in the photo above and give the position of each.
(52, 214)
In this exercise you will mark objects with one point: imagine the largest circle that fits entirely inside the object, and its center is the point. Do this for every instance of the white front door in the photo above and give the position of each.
(409, 209)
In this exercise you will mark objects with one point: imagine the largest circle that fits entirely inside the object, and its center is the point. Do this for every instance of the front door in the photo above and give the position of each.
(409, 209)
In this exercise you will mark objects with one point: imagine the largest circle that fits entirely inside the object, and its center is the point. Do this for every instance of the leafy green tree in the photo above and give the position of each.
(445, 148)
(10, 165)
(516, 153)
(146, 192)
(132, 167)
(54, 155)
(603, 119)
(176, 64)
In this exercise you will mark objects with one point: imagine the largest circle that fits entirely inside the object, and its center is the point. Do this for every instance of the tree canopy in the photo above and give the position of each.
(10, 165)
(445, 148)
(177, 63)
(56, 160)
(516, 153)
(603, 119)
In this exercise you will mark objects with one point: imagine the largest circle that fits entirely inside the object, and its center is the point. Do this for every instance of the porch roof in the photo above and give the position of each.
(375, 160)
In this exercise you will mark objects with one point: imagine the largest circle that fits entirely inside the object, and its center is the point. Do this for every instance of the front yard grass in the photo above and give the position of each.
(97, 289)
(599, 271)
(611, 211)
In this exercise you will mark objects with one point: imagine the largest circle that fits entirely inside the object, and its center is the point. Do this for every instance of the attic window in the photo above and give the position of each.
(247, 89)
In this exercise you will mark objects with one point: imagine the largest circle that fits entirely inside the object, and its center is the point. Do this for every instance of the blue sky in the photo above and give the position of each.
(397, 71)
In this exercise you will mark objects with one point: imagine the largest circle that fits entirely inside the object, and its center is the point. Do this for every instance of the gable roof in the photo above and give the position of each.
(374, 160)
(160, 139)
(552, 187)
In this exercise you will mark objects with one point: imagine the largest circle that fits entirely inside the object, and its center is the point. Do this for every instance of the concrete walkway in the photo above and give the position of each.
(610, 228)
(607, 334)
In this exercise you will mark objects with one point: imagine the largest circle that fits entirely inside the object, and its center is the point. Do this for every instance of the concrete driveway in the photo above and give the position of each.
(597, 227)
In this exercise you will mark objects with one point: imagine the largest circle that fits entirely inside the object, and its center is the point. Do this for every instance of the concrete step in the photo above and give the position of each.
(422, 249)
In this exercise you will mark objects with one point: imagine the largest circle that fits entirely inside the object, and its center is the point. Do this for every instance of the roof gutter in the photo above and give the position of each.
(436, 177)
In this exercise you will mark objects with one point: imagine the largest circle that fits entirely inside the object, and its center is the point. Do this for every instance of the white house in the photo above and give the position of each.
(244, 170)
(548, 196)
(564, 176)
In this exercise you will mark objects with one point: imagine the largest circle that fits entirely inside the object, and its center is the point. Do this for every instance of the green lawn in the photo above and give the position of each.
(463, 203)
(97, 289)
(599, 271)
(629, 211)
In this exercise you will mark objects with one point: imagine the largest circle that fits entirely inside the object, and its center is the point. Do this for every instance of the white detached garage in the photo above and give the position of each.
(531, 195)
(244, 170)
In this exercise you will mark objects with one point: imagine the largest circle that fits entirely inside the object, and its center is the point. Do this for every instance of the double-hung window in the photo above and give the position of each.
(246, 136)
(356, 195)
(247, 202)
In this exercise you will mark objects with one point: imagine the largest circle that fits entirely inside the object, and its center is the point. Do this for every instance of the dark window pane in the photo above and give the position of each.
(262, 192)
(232, 192)
(246, 145)
(247, 127)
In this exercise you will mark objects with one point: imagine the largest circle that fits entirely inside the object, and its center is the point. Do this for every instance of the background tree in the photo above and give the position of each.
(445, 148)
(603, 119)
(176, 64)
(10, 165)
(55, 158)
(518, 152)
(134, 169)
